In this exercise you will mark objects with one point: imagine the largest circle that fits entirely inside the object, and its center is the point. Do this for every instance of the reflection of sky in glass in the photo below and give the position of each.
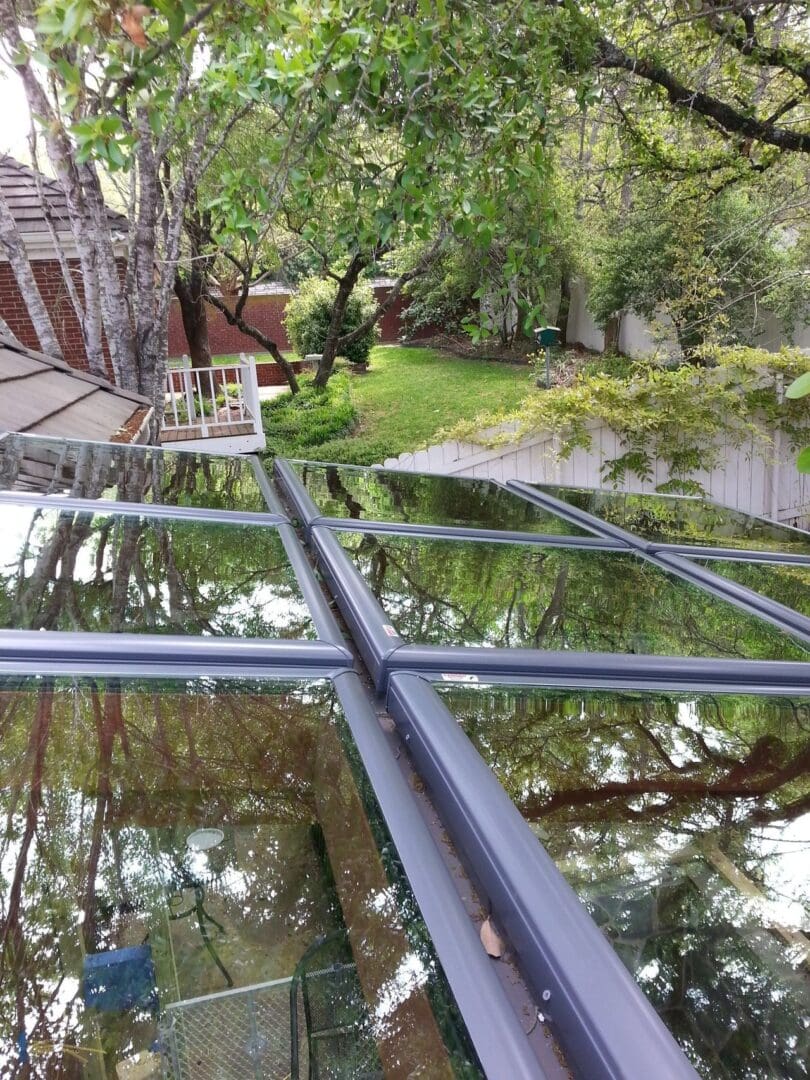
(681, 821)
(128, 474)
(85, 571)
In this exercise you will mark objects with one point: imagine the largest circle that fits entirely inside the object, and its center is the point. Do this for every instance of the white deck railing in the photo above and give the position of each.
(201, 400)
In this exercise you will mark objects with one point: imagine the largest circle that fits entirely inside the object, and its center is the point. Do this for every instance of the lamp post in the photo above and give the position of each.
(546, 336)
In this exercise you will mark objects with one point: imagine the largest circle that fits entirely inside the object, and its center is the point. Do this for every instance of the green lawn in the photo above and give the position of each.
(408, 396)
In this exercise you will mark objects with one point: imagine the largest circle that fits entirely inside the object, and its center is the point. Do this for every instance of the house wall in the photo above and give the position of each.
(14, 310)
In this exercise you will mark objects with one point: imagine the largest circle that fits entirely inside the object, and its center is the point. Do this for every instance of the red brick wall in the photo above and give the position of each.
(262, 311)
(48, 275)
(266, 313)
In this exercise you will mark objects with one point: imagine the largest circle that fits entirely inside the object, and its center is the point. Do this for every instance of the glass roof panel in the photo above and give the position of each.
(676, 519)
(128, 474)
(454, 592)
(787, 583)
(78, 570)
(378, 495)
(683, 823)
(181, 862)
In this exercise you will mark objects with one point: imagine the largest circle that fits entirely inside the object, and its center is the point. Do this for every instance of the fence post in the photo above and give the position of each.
(251, 392)
(188, 389)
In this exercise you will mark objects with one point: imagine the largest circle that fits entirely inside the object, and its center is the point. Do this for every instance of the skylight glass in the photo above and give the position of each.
(683, 823)
(78, 570)
(674, 519)
(197, 882)
(787, 583)
(454, 592)
(128, 474)
(377, 495)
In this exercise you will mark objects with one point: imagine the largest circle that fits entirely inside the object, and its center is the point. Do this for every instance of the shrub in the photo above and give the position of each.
(677, 415)
(295, 424)
(309, 313)
(359, 450)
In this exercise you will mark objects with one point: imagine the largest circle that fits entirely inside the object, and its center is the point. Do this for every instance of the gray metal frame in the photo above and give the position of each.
(310, 517)
(494, 1028)
(207, 653)
(384, 650)
(653, 547)
(717, 583)
(327, 650)
(159, 510)
(606, 1026)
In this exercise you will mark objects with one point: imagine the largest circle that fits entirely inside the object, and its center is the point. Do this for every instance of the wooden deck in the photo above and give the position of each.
(214, 431)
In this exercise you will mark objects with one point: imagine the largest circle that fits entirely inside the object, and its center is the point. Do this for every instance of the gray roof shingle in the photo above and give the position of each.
(19, 185)
(42, 396)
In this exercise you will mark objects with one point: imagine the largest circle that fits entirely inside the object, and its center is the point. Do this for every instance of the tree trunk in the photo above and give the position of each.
(612, 327)
(189, 292)
(12, 244)
(330, 346)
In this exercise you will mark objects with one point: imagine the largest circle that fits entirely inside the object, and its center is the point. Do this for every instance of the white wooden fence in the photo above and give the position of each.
(746, 479)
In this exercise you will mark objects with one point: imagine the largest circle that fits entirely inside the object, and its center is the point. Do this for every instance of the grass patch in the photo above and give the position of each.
(408, 396)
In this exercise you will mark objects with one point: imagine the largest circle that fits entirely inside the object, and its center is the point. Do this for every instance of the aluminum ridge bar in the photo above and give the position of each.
(494, 1028)
(169, 670)
(322, 617)
(606, 1026)
(135, 509)
(462, 532)
(751, 554)
(579, 517)
(606, 669)
(775, 612)
(304, 507)
(160, 649)
(264, 482)
(373, 634)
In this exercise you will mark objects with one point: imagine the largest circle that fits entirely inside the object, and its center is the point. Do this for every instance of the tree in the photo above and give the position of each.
(143, 100)
(308, 318)
(737, 69)
(714, 266)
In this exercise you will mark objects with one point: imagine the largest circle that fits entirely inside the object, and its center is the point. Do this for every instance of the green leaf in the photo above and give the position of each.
(803, 460)
(799, 387)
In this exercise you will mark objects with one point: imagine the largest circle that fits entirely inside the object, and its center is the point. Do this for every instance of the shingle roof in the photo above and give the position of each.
(43, 396)
(19, 186)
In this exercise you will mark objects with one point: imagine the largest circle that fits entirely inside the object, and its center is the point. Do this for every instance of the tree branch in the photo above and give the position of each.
(730, 119)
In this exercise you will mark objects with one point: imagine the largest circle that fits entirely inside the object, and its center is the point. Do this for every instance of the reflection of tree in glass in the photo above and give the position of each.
(787, 584)
(128, 473)
(525, 596)
(684, 825)
(101, 786)
(373, 495)
(673, 520)
(64, 570)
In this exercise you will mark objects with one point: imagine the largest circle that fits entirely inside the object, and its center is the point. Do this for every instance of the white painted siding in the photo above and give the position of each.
(744, 479)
